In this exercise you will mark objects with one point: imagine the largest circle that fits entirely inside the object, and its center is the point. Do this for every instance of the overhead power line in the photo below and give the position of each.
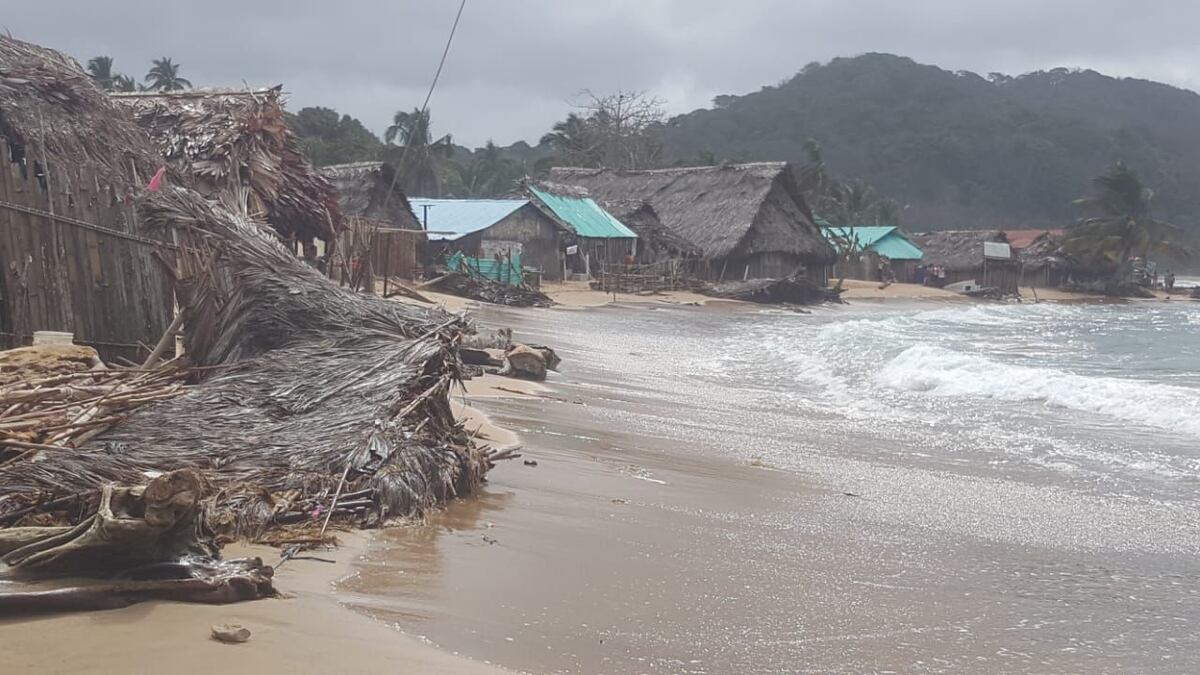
(425, 105)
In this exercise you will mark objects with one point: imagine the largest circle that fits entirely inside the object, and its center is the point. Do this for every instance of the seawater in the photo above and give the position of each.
(926, 488)
(1104, 396)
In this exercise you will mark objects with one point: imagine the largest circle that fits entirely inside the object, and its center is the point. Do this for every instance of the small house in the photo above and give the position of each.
(747, 220)
(594, 239)
(982, 257)
(873, 243)
(491, 228)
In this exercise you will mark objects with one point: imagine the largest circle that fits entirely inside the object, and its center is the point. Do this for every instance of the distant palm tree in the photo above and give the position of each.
(164, 76)
(100, 68)
(124, 83)
(416, 152)
(1123, 226)
(573, 139)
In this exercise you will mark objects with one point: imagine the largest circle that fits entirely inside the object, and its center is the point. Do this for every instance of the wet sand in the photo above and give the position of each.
(307, 631)
(632, 548)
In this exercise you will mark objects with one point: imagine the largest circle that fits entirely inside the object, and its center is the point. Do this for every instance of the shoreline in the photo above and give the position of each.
(307, 629)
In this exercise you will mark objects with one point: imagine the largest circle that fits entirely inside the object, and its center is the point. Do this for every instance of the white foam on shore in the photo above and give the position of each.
(942, 372)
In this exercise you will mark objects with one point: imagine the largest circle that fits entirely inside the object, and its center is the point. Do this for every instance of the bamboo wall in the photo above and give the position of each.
(72, 259)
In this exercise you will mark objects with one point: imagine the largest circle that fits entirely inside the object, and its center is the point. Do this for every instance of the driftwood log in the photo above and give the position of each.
(146, 542)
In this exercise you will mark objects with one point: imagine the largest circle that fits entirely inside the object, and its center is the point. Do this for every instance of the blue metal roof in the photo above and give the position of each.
(450, 219)
(889, 242)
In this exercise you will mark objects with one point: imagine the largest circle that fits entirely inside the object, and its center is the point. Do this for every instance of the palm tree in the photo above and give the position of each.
(1123, 226)
(419, 153)
(572, 138)
(100, 68)
(164, 76)
(124, 83)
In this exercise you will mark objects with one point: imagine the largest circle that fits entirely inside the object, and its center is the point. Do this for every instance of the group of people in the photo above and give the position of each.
(931, 275)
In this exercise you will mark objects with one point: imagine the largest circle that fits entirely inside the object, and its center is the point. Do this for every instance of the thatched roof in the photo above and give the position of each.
(238, 147)
(1045, 250)
(641, 217)
(362, 189)
(723, 210)
(956, 249)
(49, 107)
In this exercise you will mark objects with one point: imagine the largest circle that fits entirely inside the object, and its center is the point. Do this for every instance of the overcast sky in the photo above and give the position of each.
(516, 64)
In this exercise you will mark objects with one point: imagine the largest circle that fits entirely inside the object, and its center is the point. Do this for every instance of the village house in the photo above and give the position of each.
(555, 230)
(237, 147)
(872, 243)
(594, 239)
(74, 255)
(746, 220)
(974, 258)
(379, 223)
(491, 229)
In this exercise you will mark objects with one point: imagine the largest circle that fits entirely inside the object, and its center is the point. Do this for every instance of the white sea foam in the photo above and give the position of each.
(938, 371)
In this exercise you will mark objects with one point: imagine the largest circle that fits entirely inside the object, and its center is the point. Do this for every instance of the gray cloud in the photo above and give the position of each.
(516, 64)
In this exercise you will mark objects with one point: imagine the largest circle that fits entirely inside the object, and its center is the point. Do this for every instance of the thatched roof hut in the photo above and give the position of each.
(750, 218)
(74, 256)
(956, 250)
(363, 188)
(239, 149)
(49, 108)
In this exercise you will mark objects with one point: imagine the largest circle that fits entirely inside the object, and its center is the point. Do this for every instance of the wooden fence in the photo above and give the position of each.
(664, 275)
(73, 259)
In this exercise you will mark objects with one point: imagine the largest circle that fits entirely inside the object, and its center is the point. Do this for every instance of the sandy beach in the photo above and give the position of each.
(623, 549)
(306, 631)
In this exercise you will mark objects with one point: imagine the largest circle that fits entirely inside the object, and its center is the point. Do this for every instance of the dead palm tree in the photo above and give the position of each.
(164, 76)
(417, 153)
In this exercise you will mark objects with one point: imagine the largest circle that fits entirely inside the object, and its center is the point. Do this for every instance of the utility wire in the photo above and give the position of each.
(425, 106)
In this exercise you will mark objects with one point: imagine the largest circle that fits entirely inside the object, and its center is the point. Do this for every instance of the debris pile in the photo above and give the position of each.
(63, 406)
(478, 288)
(317, 402)
(796, 291)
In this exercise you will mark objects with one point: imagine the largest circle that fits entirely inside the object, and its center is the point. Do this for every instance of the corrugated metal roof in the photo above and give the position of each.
(584, 216)
(887, 241)
(451, 219)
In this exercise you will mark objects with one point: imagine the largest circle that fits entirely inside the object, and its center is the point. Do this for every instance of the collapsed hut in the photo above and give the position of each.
(239, 150)
(75, 256)
(318, 400)
(981, 259)
(1044, 263)
(382, 236)
(747, 220)
(309, 398)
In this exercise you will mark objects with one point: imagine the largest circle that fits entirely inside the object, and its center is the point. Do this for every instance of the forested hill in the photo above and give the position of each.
(961, 150)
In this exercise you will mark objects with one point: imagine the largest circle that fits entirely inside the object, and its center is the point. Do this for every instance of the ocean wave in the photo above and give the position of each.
(938, 371)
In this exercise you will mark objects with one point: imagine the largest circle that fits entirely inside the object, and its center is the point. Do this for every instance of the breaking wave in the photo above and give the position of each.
(943, 372)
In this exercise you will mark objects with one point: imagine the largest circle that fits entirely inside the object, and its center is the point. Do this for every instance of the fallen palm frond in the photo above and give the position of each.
(316, 382)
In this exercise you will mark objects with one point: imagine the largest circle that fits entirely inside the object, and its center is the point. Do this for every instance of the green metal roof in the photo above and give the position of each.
(584, 216)
(887, 241)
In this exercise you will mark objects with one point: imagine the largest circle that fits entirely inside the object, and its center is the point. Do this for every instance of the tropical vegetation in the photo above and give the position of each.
(1121, 228)
(164, 76)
